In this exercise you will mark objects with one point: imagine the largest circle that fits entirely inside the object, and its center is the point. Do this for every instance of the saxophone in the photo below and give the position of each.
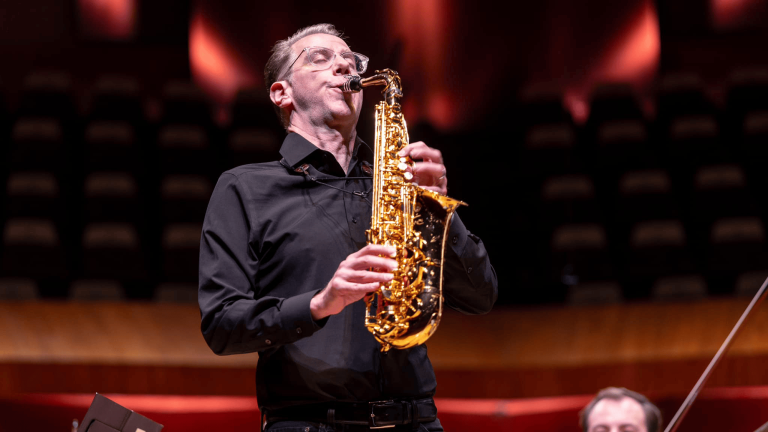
(405, 311)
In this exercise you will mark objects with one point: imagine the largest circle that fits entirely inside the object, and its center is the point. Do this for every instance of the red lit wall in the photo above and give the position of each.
(462, 63)
(216, 67)
(108, 19)
(630, 55)
(731, 14)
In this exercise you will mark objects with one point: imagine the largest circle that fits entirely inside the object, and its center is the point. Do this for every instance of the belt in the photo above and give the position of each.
(375, 415)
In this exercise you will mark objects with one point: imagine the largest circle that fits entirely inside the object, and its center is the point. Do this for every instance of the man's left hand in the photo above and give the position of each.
(428, 169)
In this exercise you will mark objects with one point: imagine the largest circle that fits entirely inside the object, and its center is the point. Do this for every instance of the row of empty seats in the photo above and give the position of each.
(34, 250)
(627, 206)
(103, 195)
(114, 190)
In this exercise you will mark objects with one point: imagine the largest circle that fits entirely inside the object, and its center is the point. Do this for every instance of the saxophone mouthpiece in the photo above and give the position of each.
(352, 85)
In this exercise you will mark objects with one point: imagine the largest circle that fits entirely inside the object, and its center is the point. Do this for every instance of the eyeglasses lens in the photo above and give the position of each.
(323, 58)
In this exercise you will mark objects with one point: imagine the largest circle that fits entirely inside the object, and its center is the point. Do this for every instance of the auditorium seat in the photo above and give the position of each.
(185, 103)
(737, 245)
(185, 149)
(47, 94)
(110, 145)
(171, 292)
(579, 253)
(112, 197)
(181, 251)
(748, 283)
(645, 195)
(34, 194)
(594, 293)
(623, 145)
(37, 143)
(32, 248)
(112, 251)
(568, 199)
(613, 101)
(719, 191)
(723, 186)
(542, 104)
(657, 249)
(117, 98)
(549, 149)
(694, 141)
(747, 92)
(253, 145)
(252, 108)
(18, 289)
(754, 135)
(96, 290)
(681, 94)
(184, 198)
(679, 288)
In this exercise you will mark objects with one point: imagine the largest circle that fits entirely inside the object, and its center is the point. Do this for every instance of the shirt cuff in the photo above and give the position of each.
(457, 235)
(297, 317)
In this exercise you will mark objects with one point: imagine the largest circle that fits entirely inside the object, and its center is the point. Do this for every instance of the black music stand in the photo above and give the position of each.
(105, 415)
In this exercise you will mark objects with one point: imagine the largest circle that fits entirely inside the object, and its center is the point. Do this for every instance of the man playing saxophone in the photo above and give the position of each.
(284, 262)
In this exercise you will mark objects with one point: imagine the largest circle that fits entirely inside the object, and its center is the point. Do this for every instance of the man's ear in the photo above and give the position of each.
(280, 93)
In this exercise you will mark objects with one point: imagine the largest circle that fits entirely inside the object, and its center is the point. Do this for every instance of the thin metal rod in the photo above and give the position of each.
(675, 422)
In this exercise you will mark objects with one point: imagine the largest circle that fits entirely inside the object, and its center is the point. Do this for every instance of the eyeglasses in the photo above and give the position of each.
(322, 58)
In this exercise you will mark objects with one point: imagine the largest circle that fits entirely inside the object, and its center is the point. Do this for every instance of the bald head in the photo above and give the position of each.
(616, 409)
(617, 415)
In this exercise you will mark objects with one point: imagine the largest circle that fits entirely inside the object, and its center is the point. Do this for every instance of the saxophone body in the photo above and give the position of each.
(406, 311)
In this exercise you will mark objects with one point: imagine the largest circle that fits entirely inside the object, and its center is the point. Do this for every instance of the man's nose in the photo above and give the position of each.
(340, 65)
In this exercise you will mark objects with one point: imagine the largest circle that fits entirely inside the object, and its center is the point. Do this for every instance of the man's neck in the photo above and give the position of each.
(338, 142)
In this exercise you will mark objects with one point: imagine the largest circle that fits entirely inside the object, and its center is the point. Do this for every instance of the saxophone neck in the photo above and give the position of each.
(393, 89)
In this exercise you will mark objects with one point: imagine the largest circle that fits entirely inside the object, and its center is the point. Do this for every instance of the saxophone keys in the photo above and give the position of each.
(408, 176)
(402, 166)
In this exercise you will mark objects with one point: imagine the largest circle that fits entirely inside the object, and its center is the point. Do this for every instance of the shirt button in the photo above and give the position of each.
(455, 239)
(354, 220)
(268, 342)
(298, 330)
(469, 270)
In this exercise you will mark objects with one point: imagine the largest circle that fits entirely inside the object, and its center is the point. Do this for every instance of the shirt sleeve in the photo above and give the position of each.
(469, 280)
(234, 318)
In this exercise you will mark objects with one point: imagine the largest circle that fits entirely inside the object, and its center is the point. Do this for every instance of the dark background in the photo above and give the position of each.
(478, 78)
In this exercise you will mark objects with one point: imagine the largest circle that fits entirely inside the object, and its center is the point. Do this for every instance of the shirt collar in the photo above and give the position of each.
(296, 149)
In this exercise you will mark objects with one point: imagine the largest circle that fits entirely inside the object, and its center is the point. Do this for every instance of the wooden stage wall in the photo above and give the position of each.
(146, 348)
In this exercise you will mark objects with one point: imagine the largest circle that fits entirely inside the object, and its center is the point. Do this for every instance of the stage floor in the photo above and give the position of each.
(152, 348)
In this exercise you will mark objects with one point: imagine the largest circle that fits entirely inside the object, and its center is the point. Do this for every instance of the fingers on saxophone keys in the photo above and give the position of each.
(419, 150)
(370, 287)
(357, 289)
(374, 262)
(365, 276)
(429, 174)
(377, 250)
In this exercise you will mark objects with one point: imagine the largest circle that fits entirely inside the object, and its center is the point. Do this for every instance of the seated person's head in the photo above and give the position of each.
(620, 410)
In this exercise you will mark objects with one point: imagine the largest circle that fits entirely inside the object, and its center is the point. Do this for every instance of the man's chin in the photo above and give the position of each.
(345, 117)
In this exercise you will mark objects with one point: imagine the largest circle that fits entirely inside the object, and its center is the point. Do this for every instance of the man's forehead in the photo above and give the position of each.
(321, 39)
(626, 410)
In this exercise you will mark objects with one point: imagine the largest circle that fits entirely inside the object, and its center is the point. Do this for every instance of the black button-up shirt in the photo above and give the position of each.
(272, 239)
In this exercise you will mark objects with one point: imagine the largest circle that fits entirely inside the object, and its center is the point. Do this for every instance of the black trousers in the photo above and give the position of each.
(302, 426)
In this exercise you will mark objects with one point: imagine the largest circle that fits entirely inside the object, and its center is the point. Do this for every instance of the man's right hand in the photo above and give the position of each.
(358, 275)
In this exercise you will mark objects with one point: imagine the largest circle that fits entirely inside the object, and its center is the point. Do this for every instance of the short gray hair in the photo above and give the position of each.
(282, 54)
(652, 413)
